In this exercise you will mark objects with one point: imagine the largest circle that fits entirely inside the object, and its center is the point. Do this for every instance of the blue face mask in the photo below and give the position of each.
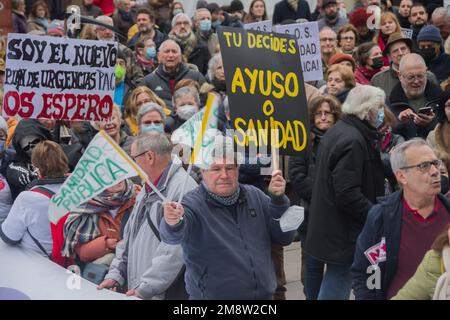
(152, 128)
(205, 25)
(216, 23)
(150, 53)
(177, 11)
(380, 118)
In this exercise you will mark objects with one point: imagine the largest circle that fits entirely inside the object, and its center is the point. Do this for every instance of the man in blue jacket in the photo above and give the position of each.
(401, 228)
(226, 232)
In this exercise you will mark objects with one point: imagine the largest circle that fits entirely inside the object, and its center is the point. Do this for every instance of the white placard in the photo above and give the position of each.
(265, 26)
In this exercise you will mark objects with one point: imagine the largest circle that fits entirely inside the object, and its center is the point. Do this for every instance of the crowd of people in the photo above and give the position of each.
(374, 183)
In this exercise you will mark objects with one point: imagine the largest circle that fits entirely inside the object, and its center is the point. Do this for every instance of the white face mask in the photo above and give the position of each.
(186, 111)
(292, 218)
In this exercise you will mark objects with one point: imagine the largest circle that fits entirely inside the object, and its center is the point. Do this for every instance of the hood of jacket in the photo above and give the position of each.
(27, 127)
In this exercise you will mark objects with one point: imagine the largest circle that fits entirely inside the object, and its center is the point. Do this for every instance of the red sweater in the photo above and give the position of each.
(107, 6)
(418, 234)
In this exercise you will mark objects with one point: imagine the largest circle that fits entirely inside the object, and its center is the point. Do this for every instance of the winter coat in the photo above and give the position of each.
(383, 221)
(440, 66)
(150, 271)
(19, 172)
(159, 81)
(227, 248)
(284, 11)
(349, 178)
(123, 22)
(398, 102)
(91, 11)
(158, 39)
(422, 285)
(19, 22)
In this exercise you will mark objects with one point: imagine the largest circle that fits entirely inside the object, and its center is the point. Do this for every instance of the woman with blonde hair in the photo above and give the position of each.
(388, 25)
(138, 97)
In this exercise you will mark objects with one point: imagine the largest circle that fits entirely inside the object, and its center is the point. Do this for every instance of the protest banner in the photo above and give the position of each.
(307, 35)
(265, 93)
(102, 165)
(27, 275)
(5, 17)
(265, 26)
(59, 78)
(408, 33)
(199, 132)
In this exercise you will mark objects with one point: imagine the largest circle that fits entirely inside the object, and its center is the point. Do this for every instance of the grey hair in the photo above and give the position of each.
(174, 20)
(223, 151)
(398, 153)
(326, 28)
(198, 11)
(212, 64)
(441, 12)
(407, 58)
(186, 91)
(153, 141)
(166, 42)
(105, 19)
(148, 107)
(362, 99)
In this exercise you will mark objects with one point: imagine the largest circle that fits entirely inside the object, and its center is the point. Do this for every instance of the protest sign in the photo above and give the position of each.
(59, 78)
(265, 93)
(408, 33)
(5, 17)
(199, 132)
(102, 165)
(307, 35)
(265, 26)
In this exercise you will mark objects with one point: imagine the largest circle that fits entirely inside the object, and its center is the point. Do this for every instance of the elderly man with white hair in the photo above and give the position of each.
(204, 32)
(170, 71)
(401, 228)
(441, 20)
(413, 93)
(348, 181)
(194, 51)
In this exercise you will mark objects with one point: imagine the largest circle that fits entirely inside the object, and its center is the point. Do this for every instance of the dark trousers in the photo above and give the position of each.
(278, 262)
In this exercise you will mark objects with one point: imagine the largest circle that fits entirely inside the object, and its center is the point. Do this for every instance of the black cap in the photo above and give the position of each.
(325, 3)
(236, 5)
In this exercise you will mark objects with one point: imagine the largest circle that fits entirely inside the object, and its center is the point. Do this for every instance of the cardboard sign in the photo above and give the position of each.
(408, 33)
(59, 78)
(265, 90)
(307, 35)
(102, 165)
(265, 26)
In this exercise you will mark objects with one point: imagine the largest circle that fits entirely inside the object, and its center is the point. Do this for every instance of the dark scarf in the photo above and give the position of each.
(82, 224)
(187, 43)
(367, 73)
(125, 15)
(226, 201)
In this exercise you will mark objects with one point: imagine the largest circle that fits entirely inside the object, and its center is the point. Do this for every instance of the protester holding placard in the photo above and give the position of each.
(27, 223)
(149, 273)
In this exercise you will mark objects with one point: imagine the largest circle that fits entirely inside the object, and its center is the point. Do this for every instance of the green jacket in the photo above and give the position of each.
(422, 285)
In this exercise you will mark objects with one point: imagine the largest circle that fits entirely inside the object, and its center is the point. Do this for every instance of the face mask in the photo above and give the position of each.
(205, 25)
(220, 85)
(428, 54)
(377, 63)
(152, 128)
(444, 184)
(120, 73)
(292, 218)
(177, 11)
(150, 53)
(216, 23)
(380, 118)
(186, 111)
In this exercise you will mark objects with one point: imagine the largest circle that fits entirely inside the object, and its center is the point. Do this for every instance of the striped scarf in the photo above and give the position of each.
(82, 224)
(226, 201)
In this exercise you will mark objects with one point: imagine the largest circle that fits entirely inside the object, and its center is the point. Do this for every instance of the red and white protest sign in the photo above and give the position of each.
(59, 78)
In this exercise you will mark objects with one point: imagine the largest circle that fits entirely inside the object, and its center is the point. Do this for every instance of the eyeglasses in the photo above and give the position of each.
(323, 113)
(138, 155)
(413, 77)
(425, 166)
(31, 145)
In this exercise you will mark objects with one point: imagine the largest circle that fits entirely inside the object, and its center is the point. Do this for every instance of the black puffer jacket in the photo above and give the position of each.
(19, 172)
(349, 178)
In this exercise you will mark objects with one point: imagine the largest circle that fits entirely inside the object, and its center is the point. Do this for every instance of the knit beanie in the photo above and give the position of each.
(429, 33)
(56, 27)
(339, 57)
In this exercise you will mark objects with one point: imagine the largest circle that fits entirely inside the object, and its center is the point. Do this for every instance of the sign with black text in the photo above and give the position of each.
(265, 89)
(59, 78)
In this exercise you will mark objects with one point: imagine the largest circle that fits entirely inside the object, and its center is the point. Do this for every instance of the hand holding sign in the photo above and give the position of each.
(173, 213)
(277, 183)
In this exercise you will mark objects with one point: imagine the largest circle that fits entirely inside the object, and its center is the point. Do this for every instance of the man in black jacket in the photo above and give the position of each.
(401, 228)
(412, 93)
(349, 177)
(162, 81)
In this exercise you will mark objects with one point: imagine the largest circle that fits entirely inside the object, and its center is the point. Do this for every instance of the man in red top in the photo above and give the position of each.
(400, 229)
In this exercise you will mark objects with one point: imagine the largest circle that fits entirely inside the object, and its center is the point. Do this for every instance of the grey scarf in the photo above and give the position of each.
(226, 201)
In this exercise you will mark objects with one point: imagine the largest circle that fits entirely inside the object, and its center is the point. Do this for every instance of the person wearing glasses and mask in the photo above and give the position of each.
(409, 98)
(401, 228)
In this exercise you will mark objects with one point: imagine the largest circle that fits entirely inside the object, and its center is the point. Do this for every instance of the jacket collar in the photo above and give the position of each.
(41, 182)
(432, 92)
(214, 202)
(369, 133)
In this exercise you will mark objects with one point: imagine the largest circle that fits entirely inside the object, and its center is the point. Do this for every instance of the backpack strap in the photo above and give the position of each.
(152, 226)
(48, 193)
